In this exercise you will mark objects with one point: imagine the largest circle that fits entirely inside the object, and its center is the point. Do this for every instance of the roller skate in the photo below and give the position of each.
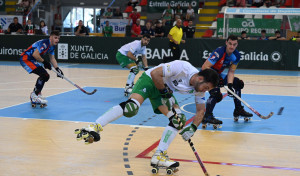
(128, 90)
(89, 134)
(210, 119)
(37, 100)
(160, 160)
(240, 112)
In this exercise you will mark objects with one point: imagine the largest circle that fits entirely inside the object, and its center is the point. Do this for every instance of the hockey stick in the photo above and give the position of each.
(245, 103)
(192, 146)
(89, 93)
(198, 158)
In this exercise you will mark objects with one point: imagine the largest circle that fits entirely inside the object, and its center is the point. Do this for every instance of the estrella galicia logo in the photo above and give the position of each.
(276, 56)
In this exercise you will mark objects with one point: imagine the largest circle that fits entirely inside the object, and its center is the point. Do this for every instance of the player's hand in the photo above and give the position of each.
(47, 64)
(137, 61)
(188, 132)
(145, 68)
(221, 82)
(230, 85)
(59, 71)
(166, 92)
(182, 41)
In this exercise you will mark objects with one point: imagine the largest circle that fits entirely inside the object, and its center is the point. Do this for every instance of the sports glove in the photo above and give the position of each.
(166, 92)
(137, 61)
(59, 71)
(221, 82)
(230, 85)
(47, 65)
(188, 132)
(145, 68)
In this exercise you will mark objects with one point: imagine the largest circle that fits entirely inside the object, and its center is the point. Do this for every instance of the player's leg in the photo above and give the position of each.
(239, 110)
(127, 108)
(134, 70)
(36, 95)
(124, 61)
(214, 98)
(160, 157)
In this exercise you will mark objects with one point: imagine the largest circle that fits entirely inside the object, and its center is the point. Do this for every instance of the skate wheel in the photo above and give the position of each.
(204, 126)
(77, 131)
(246, 119)
(43, 105)
(154, 170)
(169, 171)
(79, 137)
(33, 105)
(215, 127)
(236, 119)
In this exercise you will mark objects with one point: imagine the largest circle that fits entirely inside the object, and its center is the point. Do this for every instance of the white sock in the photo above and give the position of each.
(168, 136)
(112, 114)
(130, 78)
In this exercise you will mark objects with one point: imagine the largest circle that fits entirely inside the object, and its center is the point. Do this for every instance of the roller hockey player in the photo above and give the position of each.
(31, 61)
(127, 57)
(158, 85)
(222, 57)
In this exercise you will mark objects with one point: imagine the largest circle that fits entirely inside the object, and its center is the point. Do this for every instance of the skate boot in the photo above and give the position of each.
(240, 112)
(210, 119)
(90, 133)
(36, 100)
(160, 159)
(128, 90)
(41, 96)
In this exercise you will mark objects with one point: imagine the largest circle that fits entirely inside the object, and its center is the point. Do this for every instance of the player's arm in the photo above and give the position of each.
(53, 61)
(131, 56)
(157, 77)
(230, 75)
(189, 131)
(55, 65)
(37, 56)
(145, 62)
(199, 114)
(207, 64)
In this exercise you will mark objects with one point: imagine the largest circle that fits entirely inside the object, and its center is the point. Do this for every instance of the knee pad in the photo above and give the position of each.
(216, 94)
(45, 77)
(130, 108)
(238, 84)
(177, 122)
(135, 70)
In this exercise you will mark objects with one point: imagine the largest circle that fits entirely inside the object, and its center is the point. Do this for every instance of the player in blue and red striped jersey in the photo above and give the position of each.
(31, 60)
(225, 57)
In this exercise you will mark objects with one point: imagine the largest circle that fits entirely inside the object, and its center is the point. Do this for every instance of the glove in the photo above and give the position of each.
(137, 61)
(166, 92)
(188, 132)
(145, 68)
(221, 82)
(230, 87)
(59, 71)
(47, 65)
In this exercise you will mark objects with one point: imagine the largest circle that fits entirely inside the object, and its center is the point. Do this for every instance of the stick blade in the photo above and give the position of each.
(266, 117)
(91, 93)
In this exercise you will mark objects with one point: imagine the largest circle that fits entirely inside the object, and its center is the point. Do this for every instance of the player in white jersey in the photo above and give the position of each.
(158, 84)
(127, 57)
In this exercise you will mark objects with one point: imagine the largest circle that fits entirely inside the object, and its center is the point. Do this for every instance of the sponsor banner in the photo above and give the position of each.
(294, 22)
(119, 25)
(6, 20)
(158, 6)
(265, 11)
(253, 27)
(255, 54)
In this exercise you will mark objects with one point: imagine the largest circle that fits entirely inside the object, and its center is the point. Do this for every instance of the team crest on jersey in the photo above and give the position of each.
(212, 57)
(168, 68)
(216, 54)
